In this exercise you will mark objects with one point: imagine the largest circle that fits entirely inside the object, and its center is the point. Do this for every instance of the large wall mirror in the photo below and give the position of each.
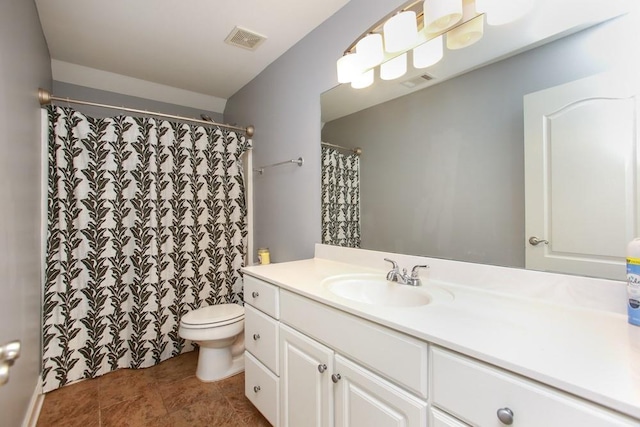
(442, 166)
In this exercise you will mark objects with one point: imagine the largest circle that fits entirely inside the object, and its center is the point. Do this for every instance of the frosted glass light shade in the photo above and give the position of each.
(370, 50)
(440, 15)
(468, 33)
(394, 68)
(501, 12)
(349, 67)
(362, 80)
(428, 54)
(400, 32)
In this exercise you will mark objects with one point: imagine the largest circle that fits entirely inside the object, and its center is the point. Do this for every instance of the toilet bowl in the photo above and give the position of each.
(219, 331)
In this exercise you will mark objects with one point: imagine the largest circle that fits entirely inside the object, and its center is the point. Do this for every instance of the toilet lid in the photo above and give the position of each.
(220, 314)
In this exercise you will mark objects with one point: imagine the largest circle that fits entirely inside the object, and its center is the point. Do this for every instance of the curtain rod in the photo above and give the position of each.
(357, 151)
(45, 97)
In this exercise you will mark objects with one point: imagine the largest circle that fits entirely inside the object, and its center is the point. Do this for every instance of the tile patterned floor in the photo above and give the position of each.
(166, 395)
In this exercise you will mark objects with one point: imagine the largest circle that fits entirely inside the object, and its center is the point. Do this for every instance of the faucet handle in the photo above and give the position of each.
(414, 280)
(394, 264)
(393, 275)
(414, 270)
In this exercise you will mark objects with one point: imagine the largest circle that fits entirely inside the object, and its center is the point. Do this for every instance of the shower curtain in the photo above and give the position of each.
(340, 198)
(146, 221)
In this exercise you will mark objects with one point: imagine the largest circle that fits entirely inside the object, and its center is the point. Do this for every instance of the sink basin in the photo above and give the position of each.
(375, 289)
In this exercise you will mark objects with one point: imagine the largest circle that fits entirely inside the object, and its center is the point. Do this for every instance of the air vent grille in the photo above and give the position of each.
(244, 38)
(416, 81)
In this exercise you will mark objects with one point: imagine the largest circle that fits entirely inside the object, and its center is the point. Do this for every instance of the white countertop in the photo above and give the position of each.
(594, 354)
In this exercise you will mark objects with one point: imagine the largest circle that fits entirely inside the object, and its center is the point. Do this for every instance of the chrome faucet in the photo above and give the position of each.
(404, 278)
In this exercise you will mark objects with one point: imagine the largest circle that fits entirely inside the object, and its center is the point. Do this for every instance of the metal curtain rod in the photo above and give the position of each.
(357, 151)
(45, 97)
(299, 161)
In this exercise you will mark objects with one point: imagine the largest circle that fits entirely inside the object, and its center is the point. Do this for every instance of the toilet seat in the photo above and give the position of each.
(213, 316)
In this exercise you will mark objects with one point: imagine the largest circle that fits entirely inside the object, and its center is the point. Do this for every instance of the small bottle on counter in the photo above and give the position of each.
(264, 257)
(633, 281)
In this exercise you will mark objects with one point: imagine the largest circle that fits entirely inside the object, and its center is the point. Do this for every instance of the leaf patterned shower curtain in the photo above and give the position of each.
(146, 221)
(340, 198)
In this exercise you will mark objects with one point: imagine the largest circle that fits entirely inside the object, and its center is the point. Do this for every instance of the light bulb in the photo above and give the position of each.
(468, 33)
(400, 32)
(370, 50)
(394, 68)
(428, 54)
(349, 66)
(440, 15)
(362, 80)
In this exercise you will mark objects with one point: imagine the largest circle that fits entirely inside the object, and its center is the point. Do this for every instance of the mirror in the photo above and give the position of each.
(442, 163)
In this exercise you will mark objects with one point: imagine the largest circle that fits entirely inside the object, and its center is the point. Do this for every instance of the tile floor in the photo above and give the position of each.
(165, 395)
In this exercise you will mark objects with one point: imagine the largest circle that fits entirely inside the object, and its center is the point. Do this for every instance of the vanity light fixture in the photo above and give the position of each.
(428, 53)
(468, 33)
(400, 32)
(394, 68)
(370, 50)
(419, 26)
(363, 80)
(441, 15)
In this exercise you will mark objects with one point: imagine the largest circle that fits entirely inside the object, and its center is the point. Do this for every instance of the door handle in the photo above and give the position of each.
(534, 241)
(10, 352)
(8, 355)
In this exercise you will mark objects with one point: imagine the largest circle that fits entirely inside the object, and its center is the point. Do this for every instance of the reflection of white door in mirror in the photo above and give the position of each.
(581, 176)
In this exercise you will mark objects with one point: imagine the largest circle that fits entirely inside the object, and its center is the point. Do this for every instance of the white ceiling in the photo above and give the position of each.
(175, 43)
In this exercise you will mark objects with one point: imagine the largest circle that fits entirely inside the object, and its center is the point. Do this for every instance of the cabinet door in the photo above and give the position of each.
(364, 399)
(441, 419)
(305, 378)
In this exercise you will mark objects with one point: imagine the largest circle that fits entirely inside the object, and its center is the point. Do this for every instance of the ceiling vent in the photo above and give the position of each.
(417, 81)
(244, 38)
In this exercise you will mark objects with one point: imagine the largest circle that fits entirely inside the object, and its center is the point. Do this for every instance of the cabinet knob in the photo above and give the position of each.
(256, 388)
(335, 378)
(505, 415)
(322, 367)
(256, 337)
(255, 294)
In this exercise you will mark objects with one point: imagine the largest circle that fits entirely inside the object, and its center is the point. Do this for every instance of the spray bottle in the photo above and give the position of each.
(633, 281)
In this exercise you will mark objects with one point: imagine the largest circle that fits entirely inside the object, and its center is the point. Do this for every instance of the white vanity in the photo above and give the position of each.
(483, 346)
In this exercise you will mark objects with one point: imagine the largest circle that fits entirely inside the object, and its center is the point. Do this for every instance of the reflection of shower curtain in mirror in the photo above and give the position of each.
(340, 198)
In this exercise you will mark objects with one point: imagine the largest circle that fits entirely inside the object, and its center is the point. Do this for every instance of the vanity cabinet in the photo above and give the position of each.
(317, 366)
(261, 337)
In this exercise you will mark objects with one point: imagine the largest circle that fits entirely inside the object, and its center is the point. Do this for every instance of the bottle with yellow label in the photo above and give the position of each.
(264, 257)
(633, 281)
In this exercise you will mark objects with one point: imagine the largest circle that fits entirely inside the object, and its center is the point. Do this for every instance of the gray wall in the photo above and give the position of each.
(442, 172)
(24, 66)
(67, 90)
(283, 103)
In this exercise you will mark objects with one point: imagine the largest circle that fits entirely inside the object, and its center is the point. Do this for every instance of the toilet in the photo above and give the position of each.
(219, 331)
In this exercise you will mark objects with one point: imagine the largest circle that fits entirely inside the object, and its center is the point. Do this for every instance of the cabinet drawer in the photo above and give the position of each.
(396, 356)
(261, 337)
(474, 392)
(262, 388)
(262, 296)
